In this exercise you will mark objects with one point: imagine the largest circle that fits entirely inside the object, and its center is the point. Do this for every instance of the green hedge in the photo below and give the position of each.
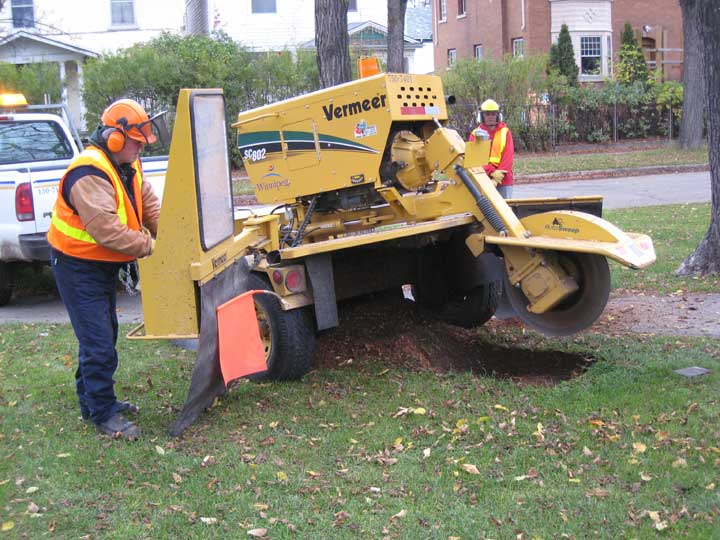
(154, 72)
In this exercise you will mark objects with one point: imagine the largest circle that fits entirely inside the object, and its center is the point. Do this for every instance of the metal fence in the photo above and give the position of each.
(543, 127)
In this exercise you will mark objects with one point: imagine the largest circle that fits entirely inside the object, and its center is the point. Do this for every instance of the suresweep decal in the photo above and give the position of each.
(260, 145)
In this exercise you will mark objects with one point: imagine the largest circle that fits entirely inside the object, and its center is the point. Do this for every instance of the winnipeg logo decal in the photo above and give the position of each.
(557, 225)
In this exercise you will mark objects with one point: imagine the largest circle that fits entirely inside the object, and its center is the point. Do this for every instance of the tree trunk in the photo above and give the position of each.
(693, 111)
(706, 257)
(396, 35)
(331, 39)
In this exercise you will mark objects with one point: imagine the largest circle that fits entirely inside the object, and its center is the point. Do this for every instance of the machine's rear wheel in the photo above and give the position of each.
(474, 308)
(581, 308)
(288, 336)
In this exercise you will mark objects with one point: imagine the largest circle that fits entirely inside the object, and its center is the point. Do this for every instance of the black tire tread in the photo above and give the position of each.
(293, 336)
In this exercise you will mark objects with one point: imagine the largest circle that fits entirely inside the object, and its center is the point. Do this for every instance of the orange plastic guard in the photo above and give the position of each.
(239, 344)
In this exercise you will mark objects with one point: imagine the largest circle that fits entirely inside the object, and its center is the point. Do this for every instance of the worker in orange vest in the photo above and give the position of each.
(502, 149)
(105, 217)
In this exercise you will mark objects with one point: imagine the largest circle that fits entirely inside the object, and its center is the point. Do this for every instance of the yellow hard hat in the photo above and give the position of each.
(490, 105)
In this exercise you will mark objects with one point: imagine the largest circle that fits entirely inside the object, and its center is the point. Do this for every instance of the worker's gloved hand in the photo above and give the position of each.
(498, 176)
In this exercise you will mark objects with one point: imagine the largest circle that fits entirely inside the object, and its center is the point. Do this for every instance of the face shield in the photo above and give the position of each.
(152, 130)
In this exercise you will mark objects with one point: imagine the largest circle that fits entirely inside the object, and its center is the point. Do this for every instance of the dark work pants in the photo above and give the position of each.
(87, 289)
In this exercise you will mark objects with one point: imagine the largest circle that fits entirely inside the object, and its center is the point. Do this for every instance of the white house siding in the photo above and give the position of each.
(292, 24)
(585, 18)
(87, 24)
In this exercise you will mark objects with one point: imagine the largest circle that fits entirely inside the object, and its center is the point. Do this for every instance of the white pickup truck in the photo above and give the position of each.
(35, 150)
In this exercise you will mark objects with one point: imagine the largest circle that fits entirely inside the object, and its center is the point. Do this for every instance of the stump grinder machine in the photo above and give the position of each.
(365, 190)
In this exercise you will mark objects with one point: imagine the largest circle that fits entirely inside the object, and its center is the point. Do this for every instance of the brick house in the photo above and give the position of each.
(493, 28)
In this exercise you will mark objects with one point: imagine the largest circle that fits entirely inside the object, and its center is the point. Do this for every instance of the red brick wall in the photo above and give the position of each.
(494, 23)
(482, 25)
(659, 14)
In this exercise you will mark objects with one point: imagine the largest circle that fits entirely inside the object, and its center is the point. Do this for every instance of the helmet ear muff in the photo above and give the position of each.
(114, 138)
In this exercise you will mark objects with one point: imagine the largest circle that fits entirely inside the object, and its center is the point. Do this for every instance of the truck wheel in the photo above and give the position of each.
(475, 308)
(288, 336)
(7, 282)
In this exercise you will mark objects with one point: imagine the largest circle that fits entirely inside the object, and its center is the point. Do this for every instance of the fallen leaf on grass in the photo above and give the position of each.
(500, 407)
(532, 474)
(587, 452)
(257, 533)
(160, 450)
(645, 477)
(426, 453)
(208, 520)
(7, 526)
(340, 517)
(399, 515)
(470, 468)
(679, 463)
(280, 475)
(62, 455)
(31, 489)
(639, 447)
(177, 478)
(597, 492)
(33, 508)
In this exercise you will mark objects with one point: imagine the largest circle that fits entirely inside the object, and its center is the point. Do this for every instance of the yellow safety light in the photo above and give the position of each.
(12, 100)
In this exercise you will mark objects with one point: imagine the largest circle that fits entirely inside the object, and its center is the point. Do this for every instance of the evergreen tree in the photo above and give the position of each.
(566, 56)
(554, 60)
(632, 66)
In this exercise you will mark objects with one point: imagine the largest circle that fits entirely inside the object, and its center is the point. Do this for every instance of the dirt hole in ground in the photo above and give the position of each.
(390, 329)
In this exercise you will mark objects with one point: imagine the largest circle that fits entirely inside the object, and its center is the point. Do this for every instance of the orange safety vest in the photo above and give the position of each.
(67, 232)
(498, 145)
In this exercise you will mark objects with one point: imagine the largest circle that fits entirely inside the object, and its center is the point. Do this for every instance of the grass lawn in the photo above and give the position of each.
(628, 449)
(676, 231)
(368, 451)
(598, 160)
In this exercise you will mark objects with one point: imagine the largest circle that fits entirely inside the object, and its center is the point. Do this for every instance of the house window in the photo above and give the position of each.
(264, 6)
(518, 47)
(452, 57)
(22, 14)
(590, 55)
(442, 9)
(477, 52)
(123, 13)
(352, 5)
(462, 8)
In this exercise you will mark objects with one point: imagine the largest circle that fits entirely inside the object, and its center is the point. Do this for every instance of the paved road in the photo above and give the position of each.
(618, 192)
(630, 191)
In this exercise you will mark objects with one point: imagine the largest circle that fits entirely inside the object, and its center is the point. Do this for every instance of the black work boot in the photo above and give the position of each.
(119, 427)
(121, 407)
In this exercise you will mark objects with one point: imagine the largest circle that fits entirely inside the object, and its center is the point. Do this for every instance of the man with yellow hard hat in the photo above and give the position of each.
(502, 148)
(105, 216)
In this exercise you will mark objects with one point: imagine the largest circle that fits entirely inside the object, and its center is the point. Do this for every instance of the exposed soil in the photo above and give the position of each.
(392, 330)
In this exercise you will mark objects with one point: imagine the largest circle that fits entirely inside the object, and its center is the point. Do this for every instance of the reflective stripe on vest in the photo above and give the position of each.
(69, 235)
(498, 145)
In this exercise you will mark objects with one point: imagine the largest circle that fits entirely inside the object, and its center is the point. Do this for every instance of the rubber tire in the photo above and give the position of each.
(7, 283)
(475, 308)
(292, 335)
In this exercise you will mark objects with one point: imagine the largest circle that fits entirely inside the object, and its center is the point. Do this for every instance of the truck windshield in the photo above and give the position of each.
(22, 142)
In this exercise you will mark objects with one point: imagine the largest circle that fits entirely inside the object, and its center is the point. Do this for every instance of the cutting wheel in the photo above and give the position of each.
(581, 308)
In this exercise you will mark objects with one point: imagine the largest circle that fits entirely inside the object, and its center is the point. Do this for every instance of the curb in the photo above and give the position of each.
(567, 176)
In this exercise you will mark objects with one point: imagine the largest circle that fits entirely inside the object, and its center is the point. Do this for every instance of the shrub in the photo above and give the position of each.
(154, 72)
(36, 81)
(631, 67)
